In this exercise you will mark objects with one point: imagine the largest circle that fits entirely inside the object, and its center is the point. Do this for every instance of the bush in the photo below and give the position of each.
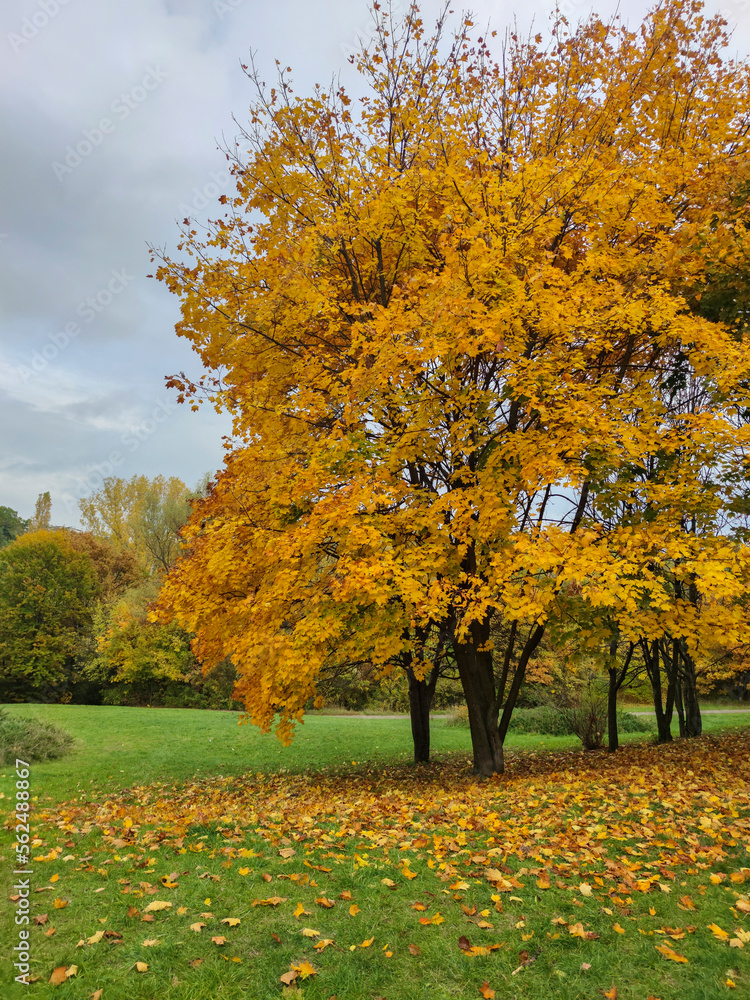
(31, 739)
(548, 721)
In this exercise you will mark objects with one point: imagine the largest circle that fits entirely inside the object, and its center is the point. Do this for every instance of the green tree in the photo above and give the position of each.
(47, 596)
(11, 526)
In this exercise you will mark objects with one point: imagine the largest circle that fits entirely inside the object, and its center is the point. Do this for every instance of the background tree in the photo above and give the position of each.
(47, 596)
(433, 322)
(11, 526)
(42, 513)
(140, 515)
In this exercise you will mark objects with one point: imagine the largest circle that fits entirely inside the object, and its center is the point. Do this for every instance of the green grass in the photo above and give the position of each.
(117, 747)
(230, 858)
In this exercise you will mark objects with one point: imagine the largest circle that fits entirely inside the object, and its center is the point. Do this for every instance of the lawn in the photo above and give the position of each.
(177, 855)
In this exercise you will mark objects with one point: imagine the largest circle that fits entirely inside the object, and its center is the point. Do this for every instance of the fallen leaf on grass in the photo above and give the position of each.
(667, 952)
(219, 940)
(577, 930)
(325, 903)
(308, 932)
(353, 910)
(141, 966)
(97, 994)
(620, 930)
(486, 990)
(585, 889)
(157, 904)
(322, 944)
(40, 919)
(718, 933)
(95, 938)
(413, 950)
(610, 994)
(288, 977)
(271, 901)
(463, 943)
(388, 883)
(585, 966)
(686, 903)
(287, 852)
(151, 942)
(231, 921)
(59, 975)
(197, 927)
(59, 904)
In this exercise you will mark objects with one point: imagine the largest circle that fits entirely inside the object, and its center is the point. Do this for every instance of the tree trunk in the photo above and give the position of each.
(421, 693)
(475, 671)
(693, 721)
(653, 669)
(613, 741)
(535, 637)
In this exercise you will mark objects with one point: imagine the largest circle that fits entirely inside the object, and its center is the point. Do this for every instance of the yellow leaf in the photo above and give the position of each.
(231, 921)
(156, 905)
(367, 943)
(151, 942)
(197, 926)
(585, 889)
(353, 910)
(141, 966)
(305, 969)
(243, 871)
(59, 904)
(620, 930)
(95, 938)
(667, 952)
(54, 878)
(718, 932)
(323, 943)
(310, 933)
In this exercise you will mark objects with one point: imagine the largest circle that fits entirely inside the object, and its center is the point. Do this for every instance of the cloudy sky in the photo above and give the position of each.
(111, 120)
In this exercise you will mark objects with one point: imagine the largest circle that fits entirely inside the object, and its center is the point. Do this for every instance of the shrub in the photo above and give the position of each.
(31, 739)
(547, 721)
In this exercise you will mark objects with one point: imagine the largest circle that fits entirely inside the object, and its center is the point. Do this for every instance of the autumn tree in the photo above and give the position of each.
(441, 320)
(140, 515)
(42, 513)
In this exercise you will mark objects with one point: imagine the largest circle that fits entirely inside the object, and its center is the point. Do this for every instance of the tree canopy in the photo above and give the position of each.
(444, 321)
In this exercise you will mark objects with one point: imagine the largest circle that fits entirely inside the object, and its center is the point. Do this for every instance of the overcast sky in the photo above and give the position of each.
(111, 119)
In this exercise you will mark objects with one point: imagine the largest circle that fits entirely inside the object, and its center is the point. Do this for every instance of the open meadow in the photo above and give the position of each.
(178, 855)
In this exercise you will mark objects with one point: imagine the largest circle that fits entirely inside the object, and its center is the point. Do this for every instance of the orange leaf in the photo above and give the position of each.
(487, 992)
(58, 976)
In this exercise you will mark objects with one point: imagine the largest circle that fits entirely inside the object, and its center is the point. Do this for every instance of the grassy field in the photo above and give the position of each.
(179, 855)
